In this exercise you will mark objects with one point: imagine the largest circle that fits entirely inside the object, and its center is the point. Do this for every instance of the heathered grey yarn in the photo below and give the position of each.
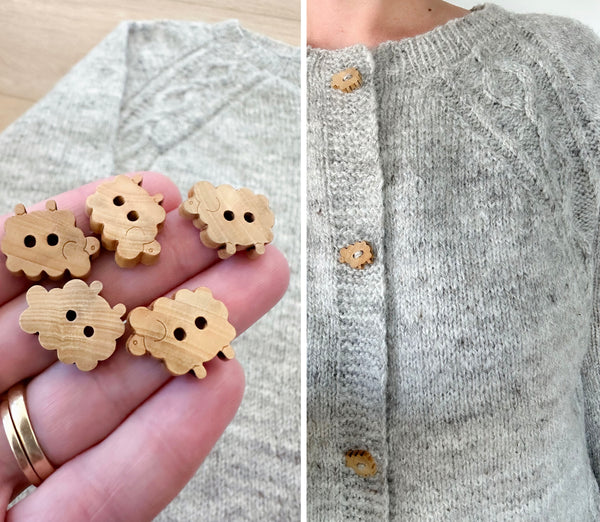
(465, 359)
(193, 101)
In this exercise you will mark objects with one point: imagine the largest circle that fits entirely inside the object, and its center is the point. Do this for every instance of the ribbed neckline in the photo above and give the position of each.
(427, 52)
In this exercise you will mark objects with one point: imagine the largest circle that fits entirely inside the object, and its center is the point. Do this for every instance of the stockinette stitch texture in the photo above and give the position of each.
(465, 359)
(196, 102)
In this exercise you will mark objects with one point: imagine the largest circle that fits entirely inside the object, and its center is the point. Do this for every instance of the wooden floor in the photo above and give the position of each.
(40, 40)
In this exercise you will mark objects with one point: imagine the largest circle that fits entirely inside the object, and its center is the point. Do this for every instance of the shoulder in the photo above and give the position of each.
(570, 43)
(560, 31)
(569, 53)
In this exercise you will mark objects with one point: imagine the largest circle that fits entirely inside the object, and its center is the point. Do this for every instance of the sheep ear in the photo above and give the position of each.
(137, 179)
(137, 316)
(96, 287)
(120, 309)
(51, 205)
(206, 193)
(147, 324)
(20, 210)
(203, 290)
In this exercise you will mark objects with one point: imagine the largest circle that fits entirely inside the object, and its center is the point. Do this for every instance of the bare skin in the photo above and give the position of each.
(334, 24)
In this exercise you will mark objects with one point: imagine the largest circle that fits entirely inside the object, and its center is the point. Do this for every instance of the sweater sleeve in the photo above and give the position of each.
(574, 50)
(579, 49)
(586, 77)
(590, 372)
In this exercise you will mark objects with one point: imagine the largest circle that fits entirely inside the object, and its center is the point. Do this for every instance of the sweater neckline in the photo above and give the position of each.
(427, 52)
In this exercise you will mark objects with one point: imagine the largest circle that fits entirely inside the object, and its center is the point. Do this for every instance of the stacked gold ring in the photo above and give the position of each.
(21, 437)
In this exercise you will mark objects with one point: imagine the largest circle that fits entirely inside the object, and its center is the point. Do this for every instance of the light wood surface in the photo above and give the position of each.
(230, 219)
(128, 219)
(41, 40)
(75, 321)
(183, 332)
(47, 241)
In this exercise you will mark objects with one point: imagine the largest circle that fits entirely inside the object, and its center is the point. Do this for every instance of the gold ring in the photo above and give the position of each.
(18, 411)
(17, 447)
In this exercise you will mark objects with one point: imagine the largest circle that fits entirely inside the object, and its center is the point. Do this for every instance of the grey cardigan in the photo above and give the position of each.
(465, 359)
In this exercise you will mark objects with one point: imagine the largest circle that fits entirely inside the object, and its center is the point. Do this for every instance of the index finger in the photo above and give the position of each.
(74, 200)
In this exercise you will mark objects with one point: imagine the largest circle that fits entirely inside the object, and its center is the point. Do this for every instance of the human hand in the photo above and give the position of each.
(126, 437)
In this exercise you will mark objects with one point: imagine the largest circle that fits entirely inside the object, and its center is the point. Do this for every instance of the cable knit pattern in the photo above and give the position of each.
(466, 358)
(194, 101)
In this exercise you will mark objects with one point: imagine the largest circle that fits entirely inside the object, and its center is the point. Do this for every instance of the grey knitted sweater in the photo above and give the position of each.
(465, 359)
(194, 101)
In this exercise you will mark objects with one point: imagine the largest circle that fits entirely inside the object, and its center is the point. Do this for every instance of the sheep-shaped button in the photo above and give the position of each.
(230, 219)
(74, 320)
(347, 80)
(128, 219)
(184, 332)
(362, 462)
(47, 241)
(357, 255)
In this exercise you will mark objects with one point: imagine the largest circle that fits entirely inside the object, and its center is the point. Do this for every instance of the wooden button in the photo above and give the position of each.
(47, 241)
(361, 462)
(357, 255)
(183, 332)
(347, 80)
(230, 219)
(75, 321)
(128, 218)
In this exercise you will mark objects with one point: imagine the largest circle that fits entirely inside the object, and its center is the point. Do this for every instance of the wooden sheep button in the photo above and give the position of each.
(74, 320)
(184, 332)
(128, 219)
(347, 80)
(47, 241)
(230, 219)
(361, 462)
(357, 255)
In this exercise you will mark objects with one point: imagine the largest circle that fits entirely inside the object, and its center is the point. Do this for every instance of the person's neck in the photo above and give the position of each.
(334, 24)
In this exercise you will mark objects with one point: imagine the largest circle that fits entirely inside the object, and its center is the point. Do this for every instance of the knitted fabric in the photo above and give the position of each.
(195, 102)
(466, 358)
